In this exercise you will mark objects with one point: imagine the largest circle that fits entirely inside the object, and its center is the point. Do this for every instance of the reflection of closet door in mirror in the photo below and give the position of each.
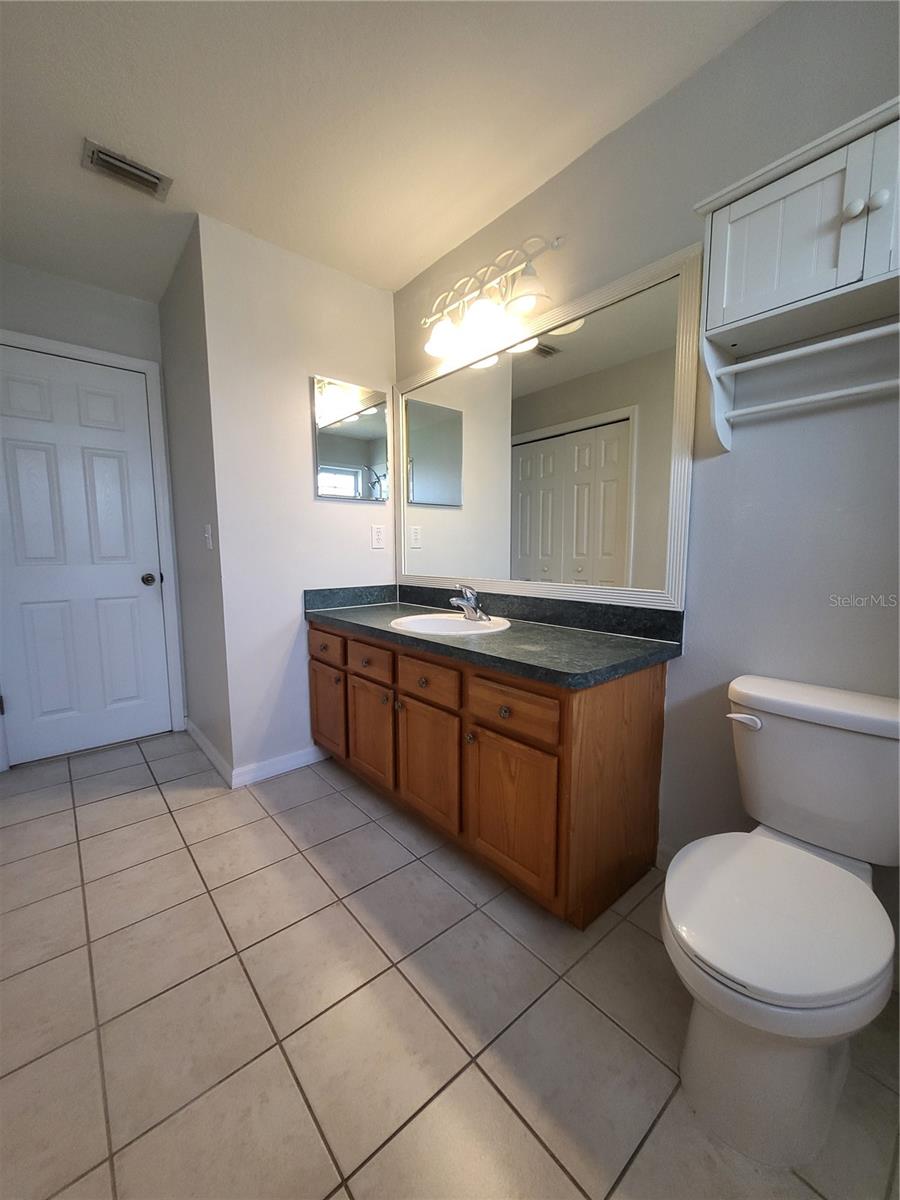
(537, 507)
(595, 509)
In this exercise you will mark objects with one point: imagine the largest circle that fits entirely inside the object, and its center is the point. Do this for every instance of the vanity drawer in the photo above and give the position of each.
(327, 647)
(439, 685)
(515, 711)
(371, 661)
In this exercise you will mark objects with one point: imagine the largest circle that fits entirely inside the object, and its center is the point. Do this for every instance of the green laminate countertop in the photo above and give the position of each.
(568, 658)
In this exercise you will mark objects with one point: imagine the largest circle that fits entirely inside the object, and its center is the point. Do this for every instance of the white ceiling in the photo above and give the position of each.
(373, 137)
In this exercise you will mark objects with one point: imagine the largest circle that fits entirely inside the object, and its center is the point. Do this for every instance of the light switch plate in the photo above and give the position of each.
(415, 537)
(377, 537)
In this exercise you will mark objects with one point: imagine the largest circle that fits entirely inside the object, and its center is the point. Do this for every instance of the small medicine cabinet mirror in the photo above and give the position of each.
(434, 442)
(350, 433)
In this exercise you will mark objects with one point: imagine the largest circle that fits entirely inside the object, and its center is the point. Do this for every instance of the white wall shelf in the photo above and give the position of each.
(797, 255)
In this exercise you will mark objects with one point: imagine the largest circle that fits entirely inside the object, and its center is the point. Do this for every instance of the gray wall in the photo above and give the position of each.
(801, 508)
(64, 310)
(194, 499)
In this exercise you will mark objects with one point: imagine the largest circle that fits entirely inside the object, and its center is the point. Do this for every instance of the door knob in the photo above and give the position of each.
(879, 199)
(398, 706)
(470, 738)
(854, 209)
(385, 699)
(148, 579)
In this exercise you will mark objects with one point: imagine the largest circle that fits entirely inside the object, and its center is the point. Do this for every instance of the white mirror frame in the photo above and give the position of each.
(685, 265)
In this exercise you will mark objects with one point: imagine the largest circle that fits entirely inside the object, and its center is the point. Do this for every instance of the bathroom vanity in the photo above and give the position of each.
(536, 749)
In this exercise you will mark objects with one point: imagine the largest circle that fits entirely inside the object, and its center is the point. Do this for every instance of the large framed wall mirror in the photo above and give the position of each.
(565, 468)
(350, 435)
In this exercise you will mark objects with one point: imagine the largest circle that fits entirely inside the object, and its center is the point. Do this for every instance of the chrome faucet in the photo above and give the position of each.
(468, 602)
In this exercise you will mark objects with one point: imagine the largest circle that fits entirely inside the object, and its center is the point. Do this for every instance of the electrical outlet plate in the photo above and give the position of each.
(377, 537)
(415, 537)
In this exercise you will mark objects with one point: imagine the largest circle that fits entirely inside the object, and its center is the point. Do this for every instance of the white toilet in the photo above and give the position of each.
(777, 933)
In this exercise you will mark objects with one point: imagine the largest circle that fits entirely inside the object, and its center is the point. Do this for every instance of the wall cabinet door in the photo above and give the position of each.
(881, 231)
(370, 721)
(798, 237)
(511, 806)
(428, 761)
(327, 694)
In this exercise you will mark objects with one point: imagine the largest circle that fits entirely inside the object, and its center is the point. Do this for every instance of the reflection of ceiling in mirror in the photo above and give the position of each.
(639, 325)
(371, 424)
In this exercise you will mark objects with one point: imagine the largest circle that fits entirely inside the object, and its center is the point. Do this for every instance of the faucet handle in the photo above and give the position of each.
(468, 593)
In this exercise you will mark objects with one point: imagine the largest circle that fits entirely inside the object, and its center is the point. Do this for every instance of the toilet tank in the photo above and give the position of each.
(819, 764)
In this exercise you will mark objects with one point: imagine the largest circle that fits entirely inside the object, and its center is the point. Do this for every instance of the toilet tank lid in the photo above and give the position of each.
(876, 715)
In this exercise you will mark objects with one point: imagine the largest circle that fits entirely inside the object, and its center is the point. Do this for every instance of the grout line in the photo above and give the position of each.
(46, 849)
(98, 1039)
(639, 1147)
(264, 1011)
(619, 1025)
(104, 1162)
(52, 957)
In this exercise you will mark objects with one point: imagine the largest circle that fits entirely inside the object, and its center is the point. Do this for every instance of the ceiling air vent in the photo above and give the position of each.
(117, 166)
(542, 350)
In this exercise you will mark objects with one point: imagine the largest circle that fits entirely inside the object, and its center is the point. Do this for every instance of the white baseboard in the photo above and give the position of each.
(253, 772)
(217, 759)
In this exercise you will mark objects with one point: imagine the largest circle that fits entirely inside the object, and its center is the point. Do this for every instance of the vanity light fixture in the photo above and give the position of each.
(572, 327)
(349, 420)
(491, 361)
(482, 311)
(528, 344)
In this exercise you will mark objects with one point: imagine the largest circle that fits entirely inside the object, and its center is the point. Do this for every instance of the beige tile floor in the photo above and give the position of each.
(295, 990)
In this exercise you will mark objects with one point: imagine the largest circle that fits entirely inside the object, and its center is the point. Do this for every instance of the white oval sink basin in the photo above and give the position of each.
(448, 623)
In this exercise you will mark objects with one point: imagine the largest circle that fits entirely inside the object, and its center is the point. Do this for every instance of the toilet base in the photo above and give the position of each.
(769, 1097)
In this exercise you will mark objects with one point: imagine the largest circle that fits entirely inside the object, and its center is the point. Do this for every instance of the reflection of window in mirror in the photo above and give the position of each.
(351, 441)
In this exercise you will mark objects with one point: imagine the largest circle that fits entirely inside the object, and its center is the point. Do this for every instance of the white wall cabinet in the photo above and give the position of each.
(571, 507)
(827, 225)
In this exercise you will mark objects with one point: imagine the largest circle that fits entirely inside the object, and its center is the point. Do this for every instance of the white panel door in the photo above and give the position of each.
(613, 451)
(580, 515)
(83, 643)
(537, 504)
(798, 237)
(882, 228)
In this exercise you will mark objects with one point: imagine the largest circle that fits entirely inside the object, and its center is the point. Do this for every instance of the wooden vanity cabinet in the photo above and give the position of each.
(370, 724)
(428, 769)
(555, 789)
(328, 706)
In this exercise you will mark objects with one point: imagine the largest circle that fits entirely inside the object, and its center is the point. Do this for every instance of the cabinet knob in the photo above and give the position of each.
(579, 570)
(398, 705)
(337, 679)
(470, 738)
(504, 711)
(385, 699)
(323, 646)
(879, 199)
(854, 209)
(423, 681)
(367, 662)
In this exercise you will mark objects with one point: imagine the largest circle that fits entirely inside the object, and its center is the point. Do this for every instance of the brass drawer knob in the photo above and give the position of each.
(337, 679)
(470, 738)
(385, 699)
(323, 646)
(504, 711)
(367, 662)
(398, 705)
(423, 681)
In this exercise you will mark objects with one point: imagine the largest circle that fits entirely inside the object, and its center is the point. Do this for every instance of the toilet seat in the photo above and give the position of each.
(776, 923)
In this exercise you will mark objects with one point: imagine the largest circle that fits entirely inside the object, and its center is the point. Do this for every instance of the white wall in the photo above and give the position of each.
(64, 310)
(471, 541)
(273, 319)
(800, 508)
(192, 469)
(646, 384)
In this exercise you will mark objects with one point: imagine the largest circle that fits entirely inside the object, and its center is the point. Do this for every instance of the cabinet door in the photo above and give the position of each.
(370, 720)
(797, 237)
(428, 761)
(881, 232)
(328, 707)
(511, 807)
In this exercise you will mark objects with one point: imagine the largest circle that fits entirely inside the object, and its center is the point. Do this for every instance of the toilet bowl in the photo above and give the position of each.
(786, 956)
(777, 934)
